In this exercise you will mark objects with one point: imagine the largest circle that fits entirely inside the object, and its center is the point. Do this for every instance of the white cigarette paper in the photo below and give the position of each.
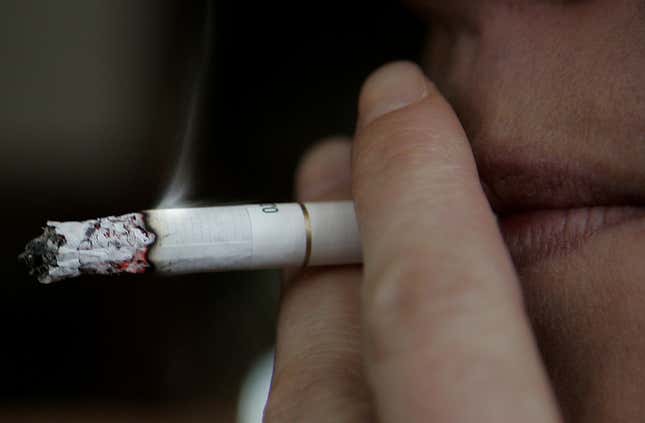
(261, 236)
(193, 240)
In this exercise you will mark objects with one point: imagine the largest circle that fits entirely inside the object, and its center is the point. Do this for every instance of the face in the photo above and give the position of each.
(552, 96)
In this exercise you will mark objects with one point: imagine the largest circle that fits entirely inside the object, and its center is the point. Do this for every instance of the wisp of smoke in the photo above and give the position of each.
(181, 180)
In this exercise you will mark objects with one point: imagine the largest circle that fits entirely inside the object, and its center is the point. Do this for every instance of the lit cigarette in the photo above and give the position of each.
(193, 240)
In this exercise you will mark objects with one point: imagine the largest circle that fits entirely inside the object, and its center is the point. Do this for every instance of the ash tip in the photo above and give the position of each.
(108, 245)
(40, 254)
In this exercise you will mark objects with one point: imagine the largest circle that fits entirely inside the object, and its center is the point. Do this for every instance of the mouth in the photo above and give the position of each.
(544, 210)
(558, 164)
(535, 236)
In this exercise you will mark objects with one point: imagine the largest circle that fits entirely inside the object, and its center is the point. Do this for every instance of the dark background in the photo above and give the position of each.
(91, 120)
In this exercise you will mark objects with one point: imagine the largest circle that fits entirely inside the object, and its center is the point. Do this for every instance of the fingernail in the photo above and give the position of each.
(390, 88)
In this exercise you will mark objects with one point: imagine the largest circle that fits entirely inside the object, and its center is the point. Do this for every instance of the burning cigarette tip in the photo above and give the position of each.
(200, 239)
(114, 244)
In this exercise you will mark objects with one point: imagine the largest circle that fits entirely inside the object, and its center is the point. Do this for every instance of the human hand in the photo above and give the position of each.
(432, 327)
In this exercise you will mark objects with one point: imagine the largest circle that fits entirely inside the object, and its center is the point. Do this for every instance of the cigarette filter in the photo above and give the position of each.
(192, 240)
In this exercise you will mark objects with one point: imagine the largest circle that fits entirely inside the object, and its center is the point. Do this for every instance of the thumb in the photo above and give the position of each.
(446, 336)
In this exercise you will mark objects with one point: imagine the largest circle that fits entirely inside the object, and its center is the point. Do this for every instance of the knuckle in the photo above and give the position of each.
(319, 153)
(390, 293)
(412, 300)
(323, 171)
(303, 390)
(316, 157)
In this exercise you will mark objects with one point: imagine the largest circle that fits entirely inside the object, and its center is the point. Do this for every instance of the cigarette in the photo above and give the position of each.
(196, 240)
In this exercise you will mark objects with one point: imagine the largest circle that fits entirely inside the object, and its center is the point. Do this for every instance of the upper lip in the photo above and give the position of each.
(514, 185)
(553, 178)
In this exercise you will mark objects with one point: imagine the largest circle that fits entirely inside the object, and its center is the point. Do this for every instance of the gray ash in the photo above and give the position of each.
(107, 245)
(40, 253)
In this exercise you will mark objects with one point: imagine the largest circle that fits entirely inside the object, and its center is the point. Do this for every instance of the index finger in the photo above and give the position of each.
(446, 336)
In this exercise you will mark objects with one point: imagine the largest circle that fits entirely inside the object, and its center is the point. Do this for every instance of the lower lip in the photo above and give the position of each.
(535, 236)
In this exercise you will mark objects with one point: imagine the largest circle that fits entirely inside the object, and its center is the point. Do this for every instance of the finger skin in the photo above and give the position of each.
(324, 173)
(318, 372)
(446, 336)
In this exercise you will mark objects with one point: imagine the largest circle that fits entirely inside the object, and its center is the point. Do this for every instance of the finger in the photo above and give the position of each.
(446, 335)
(324, 174)
(317, 375)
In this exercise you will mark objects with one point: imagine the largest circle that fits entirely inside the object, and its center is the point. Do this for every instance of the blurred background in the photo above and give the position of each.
(99, 102)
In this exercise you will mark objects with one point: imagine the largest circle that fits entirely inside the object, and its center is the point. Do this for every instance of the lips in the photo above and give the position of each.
(539, 235)
(536, 180)
(548, 209)
(559, 147)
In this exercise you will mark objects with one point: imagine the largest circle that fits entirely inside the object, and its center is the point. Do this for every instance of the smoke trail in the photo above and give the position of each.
(182, 179)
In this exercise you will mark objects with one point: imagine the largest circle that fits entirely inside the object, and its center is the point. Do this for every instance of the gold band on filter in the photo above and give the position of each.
(307, 217)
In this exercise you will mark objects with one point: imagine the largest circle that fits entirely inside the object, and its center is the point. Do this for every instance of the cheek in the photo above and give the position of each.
(586, 311)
